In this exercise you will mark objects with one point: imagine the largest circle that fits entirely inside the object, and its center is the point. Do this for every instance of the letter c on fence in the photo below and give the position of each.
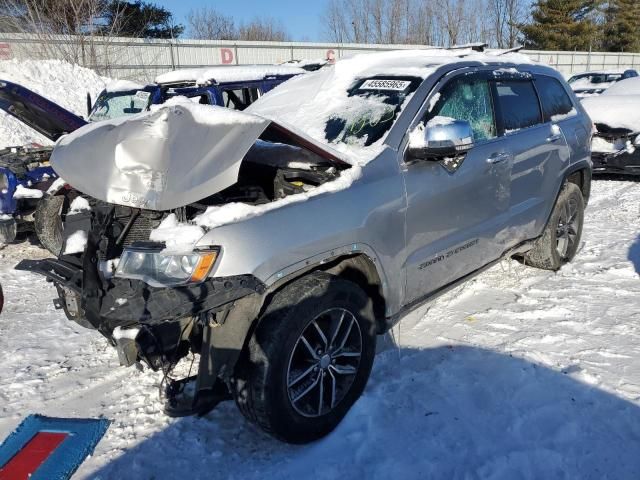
(226, 56)
(331, 56)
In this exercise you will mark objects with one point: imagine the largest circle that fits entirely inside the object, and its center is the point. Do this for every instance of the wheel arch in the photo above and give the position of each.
(359, 268)
(581, 176)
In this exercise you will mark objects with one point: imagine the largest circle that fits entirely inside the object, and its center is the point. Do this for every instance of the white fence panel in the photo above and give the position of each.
(142, 60)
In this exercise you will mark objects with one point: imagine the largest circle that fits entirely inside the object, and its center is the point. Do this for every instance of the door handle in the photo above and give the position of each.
(498, 158)
(556, 134)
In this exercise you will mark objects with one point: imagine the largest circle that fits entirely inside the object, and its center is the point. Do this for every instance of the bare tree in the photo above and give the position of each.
(506, 15)
(76, 31)
(424, 22)
(263, 30)
(207, 23)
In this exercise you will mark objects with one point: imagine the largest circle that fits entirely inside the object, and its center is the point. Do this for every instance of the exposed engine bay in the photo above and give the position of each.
(167, 323)
(21, 160)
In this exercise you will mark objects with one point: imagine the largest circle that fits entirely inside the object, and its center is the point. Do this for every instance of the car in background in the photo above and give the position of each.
(616, 117)
(25, 175)
(594, 83)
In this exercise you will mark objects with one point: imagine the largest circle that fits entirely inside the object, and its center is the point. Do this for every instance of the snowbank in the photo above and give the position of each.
(59, 81)
(518, 374)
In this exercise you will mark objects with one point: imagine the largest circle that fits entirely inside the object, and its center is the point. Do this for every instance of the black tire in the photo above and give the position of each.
(48, 223)
(561, 237)
(262, 381)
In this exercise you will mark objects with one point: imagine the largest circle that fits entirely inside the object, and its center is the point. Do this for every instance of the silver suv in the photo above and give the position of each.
(276, 243)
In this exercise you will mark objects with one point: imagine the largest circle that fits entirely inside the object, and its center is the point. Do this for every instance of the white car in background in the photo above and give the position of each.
(594, 83)
(616, 116)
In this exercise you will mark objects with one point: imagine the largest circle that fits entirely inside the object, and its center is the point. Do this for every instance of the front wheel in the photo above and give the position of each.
(308, 360)
(561, 237)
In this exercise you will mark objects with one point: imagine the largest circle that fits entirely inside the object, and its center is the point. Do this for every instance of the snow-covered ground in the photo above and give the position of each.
(520, 373)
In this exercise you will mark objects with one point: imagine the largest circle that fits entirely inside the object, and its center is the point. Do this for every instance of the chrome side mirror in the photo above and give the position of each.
(441, 137)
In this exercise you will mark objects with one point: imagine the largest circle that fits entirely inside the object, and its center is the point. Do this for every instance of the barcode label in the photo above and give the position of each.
(396, 85)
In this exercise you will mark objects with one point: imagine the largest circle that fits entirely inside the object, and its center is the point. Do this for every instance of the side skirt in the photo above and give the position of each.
(429, 297)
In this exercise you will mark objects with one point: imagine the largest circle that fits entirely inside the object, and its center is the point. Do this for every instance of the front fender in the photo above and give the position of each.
(367, 217)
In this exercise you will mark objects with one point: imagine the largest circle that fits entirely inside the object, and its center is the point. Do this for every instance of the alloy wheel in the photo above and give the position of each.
(324, 362)
(567, 229)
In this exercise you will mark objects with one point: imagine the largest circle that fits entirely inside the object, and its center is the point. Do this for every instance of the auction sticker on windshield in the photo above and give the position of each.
(395, 85)
(142, 95)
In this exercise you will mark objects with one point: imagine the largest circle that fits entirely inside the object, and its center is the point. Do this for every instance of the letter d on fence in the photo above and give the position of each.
(226, 56)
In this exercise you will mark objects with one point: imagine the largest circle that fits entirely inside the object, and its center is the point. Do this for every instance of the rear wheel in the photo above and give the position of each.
(561, 237)
(308, 360)
(48, 223)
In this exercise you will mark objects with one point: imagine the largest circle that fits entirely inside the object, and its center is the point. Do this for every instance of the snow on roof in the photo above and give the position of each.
(307, 102)
(601, 72)
(122, 86)
(629, 86)
(615, 111)
(231, 73)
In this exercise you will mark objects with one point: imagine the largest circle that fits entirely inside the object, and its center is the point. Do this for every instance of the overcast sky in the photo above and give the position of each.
(302, 19)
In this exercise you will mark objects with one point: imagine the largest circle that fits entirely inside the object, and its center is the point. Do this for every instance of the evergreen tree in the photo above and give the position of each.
(622, 27)
(561, 25)
(140, 19)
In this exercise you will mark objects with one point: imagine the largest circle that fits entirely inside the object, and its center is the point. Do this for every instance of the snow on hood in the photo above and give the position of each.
(628, 86)
(160, 160)
(232, 73)
(615, 111)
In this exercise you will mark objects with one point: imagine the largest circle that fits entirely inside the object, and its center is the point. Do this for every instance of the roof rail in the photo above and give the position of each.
(476, 47)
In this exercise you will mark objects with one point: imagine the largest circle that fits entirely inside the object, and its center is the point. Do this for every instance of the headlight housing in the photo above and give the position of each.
(166, 270)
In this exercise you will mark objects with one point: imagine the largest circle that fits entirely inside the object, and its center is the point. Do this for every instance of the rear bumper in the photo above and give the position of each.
(124, 302)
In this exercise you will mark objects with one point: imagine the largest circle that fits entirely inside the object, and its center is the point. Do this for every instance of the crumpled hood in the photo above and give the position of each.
(159, 160)
(175, 155)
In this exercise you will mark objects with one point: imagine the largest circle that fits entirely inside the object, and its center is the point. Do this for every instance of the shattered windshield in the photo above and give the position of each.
(373, 107)
(117, 104)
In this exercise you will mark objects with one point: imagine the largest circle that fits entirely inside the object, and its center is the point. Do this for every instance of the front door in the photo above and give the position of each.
(454, 211)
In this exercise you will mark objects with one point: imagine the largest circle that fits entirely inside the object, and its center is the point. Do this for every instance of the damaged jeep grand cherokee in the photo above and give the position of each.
(275, 243)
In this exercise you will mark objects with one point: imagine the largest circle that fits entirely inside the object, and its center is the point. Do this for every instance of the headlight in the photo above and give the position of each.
(164, 270)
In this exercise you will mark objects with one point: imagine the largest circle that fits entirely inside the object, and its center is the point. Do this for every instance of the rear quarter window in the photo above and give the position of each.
(556, 104)
(519, 104)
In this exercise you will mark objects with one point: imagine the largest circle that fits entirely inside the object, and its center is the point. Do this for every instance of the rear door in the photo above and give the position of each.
(539, 151)
(456, 209)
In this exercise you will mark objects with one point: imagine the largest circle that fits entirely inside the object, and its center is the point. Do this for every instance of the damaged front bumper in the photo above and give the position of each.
(616, 152)
(160, 325)
(623, 162)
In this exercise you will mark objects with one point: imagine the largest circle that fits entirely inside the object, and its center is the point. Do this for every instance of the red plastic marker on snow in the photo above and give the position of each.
(32, 456)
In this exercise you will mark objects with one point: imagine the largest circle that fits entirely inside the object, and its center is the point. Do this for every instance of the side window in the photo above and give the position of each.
(467, 99)
(554, 98)
(234, 99)
(518, 104)
(240, 98)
